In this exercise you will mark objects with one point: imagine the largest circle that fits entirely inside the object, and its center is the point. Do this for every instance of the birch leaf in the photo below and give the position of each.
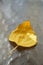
(24, 35)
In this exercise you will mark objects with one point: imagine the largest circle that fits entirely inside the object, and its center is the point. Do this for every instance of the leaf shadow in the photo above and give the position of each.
(20, 48)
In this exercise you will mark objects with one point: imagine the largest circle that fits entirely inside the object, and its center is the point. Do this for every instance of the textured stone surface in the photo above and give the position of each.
(13, 12)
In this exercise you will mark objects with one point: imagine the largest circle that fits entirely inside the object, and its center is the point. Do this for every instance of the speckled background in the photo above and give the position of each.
(13, 12)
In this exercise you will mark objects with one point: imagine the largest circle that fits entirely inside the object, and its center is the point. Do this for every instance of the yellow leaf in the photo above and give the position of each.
(24, 35)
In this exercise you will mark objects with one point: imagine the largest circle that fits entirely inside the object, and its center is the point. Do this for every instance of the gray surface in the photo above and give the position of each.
(13, 12)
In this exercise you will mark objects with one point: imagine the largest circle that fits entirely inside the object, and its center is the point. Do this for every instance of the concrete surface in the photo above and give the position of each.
(13, 12)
